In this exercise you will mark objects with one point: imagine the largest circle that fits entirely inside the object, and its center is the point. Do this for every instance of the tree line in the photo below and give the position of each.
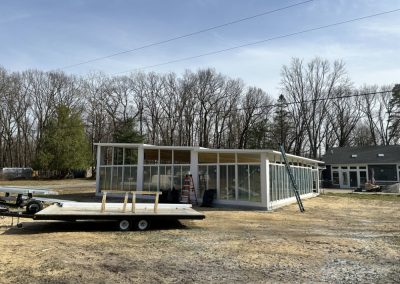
(318, 108)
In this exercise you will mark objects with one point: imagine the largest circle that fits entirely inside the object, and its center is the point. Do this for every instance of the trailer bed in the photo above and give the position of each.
(115, 211)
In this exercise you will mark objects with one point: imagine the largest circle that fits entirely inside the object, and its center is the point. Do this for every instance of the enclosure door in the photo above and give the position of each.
(353, 179)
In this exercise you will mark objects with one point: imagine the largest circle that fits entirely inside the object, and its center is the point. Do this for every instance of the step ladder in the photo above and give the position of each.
(188, 191)
(290, 173)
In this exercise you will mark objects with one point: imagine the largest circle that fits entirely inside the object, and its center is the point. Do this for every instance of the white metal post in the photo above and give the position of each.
(265, 196)
(98, 169)
(139, 172)
(194, 162)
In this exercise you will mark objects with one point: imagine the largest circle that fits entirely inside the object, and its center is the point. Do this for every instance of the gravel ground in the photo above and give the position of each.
(339, 239)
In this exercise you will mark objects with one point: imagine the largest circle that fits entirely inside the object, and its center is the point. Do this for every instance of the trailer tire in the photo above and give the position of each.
(143, 224)
(33, 206)
(124, 225)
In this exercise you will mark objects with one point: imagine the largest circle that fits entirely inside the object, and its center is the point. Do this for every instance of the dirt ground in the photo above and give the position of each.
(345, 238)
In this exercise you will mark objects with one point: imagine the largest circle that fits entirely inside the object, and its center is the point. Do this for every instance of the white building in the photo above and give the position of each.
(254, 178)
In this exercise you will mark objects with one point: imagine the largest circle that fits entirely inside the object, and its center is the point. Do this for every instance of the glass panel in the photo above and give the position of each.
(181, 157)
(166, 177)
(243, 180)
(231, 182)
(203, 180)
(207, 158)
(223, 191)
(154, 178)
(131, 156)
(105, 175)
(165, 156)
(114, 176)
(118, 155)
(345, 178)
(177, 178)
(382, 172)
(105, 155)
(248, 158)
(130, 178)
(212, 177)
(150, 156)
(146, 178)
(227, 157)
(335, 177)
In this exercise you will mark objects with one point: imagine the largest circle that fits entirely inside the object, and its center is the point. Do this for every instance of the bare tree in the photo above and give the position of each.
(309, 90)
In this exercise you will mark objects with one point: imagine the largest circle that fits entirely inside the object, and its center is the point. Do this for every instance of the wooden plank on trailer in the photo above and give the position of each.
(156, 203)
(133, 202)
(125, 201)
(103, 202)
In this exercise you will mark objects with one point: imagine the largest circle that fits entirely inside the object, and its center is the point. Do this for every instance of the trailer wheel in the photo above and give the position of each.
(124, 225)
(33, 206)
(142, 224)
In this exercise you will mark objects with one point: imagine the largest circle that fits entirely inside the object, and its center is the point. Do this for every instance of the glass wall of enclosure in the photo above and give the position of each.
(162, 169)
(281, 186)
(165, 169)
(118, 168)
(234, 176)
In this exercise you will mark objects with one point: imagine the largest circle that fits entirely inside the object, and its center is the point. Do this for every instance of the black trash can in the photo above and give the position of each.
(208, 197)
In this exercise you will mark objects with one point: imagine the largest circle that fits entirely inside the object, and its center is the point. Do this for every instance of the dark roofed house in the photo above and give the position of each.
(351, 167)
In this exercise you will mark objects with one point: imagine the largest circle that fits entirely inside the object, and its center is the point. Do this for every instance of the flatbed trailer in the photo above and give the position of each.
(126, 215)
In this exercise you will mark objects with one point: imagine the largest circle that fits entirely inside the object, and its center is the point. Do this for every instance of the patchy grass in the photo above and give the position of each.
(338, 239)
(365, 195)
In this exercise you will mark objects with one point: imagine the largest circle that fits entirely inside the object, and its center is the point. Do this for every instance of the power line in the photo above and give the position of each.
(186, 35)
(260, 41)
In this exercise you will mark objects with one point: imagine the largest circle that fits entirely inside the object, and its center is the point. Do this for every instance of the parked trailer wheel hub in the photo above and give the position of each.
(143, 225)
(124, 225)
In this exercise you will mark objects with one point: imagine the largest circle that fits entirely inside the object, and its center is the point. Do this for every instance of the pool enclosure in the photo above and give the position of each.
(238, 177)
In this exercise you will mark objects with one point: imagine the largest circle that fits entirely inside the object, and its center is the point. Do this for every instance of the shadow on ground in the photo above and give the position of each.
(83, 226)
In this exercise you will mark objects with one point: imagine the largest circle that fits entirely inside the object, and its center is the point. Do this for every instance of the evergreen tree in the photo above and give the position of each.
(281, 123)
(125, 132)
(64, 144)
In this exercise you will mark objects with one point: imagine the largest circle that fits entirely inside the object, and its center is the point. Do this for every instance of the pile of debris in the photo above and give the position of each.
(394, 188)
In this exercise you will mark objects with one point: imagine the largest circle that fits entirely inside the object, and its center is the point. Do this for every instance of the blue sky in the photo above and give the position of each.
(48, 34)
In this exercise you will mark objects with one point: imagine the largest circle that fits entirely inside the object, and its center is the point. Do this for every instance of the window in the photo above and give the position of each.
(150, 156)
(345, 177)
(363, 177)
(118, 156)
(165, 156)
(382, 172)
(335, 178)
(248, 158)
(207, 158)
(181, 157)
(131, 156)
(227, 158)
